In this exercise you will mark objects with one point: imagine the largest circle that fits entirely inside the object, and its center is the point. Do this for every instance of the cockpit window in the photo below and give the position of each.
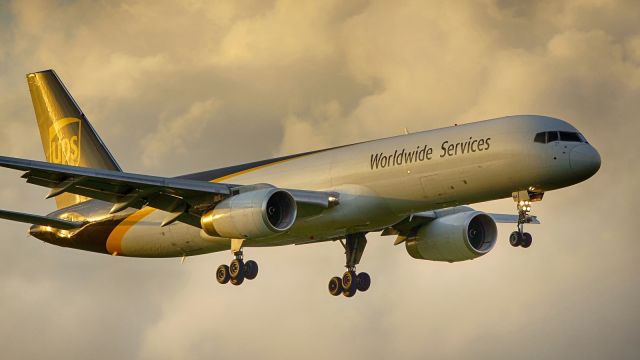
(583, 139)
(551, 136)
(569, 136)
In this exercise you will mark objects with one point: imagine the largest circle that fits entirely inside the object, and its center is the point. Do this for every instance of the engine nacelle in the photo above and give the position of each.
(252, 214)
(457, 237)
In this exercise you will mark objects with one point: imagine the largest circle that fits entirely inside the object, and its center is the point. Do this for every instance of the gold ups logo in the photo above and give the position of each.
(64, 142)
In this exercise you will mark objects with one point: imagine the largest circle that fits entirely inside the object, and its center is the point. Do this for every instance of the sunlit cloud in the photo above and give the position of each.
(180, 86)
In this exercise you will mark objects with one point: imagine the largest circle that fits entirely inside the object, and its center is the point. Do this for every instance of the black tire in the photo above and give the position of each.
(515, 239)
(236, 269)
(250, 270)
(237, 281)
(222, 274)
(335, 286)
(349, 280)
(364, 281)
(527, 239)
(349, 292)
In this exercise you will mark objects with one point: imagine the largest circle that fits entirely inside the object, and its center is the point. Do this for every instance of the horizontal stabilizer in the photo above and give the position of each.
(41, 220)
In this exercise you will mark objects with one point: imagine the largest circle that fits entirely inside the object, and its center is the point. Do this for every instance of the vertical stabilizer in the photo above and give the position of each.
(67, 136)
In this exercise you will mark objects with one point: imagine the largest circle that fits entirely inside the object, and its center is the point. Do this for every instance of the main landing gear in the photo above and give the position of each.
(351, 282)
(238, 270)
(523, 202)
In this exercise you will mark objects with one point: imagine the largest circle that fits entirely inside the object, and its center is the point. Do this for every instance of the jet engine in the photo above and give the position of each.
(457, 237)
(252, 214)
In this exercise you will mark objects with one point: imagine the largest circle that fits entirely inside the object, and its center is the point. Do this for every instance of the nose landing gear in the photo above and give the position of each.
(523, 202)
(520, 238)
(351, 282)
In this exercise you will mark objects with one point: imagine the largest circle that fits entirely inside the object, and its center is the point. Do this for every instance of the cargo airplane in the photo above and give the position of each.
(415, 187)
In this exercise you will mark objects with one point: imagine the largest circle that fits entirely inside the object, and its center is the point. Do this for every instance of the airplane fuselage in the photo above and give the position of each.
(379, 183)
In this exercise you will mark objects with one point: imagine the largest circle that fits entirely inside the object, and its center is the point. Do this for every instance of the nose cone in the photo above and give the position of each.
(585, 161)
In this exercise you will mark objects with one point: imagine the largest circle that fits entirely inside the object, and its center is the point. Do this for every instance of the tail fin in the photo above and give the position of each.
(66, 134)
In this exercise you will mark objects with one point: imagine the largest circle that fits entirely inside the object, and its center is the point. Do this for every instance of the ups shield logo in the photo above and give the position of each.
(64, 141)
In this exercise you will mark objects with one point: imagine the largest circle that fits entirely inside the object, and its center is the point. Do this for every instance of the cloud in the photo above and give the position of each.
(181, 86)
(279, 37)
(175, 134)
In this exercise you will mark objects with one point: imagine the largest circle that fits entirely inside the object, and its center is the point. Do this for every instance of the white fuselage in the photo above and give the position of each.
(382, 182)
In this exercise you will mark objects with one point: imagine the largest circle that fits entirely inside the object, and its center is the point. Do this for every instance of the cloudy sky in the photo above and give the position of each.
(180, 86)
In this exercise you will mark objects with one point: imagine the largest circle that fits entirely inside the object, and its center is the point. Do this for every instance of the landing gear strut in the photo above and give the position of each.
(238, 270)
(523, 203)
(351, 282)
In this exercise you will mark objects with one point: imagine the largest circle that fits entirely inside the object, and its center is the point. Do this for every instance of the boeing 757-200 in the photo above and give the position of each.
(414, 186)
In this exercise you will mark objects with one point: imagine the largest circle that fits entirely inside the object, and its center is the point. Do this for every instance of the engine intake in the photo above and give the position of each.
(457, 237)
(252, 214)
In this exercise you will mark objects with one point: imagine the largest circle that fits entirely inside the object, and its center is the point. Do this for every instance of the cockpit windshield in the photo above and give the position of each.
(551, 136)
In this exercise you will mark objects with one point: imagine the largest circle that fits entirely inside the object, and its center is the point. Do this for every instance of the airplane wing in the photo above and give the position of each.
(512, 219)
(186, 199)
(410, 225)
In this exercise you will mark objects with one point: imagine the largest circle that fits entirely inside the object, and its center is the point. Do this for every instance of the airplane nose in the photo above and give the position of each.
(584, 160)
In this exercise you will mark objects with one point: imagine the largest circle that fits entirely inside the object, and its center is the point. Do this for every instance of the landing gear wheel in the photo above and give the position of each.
(237, 281)
(364, 281)
(527, 239)
(349, 292)
(222, 274)
(236, 270)
(515, 239)
(349, 280)
(250, 270)
(335, 286)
